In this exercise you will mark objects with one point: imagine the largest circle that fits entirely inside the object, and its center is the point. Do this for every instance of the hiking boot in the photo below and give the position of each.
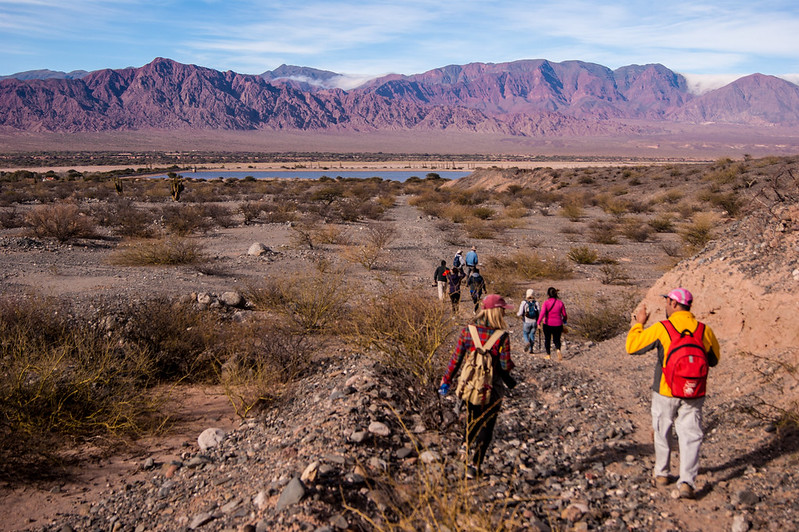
(471, 472)
(560, 355)
(686, 491)
(661, 482)
(547, 357)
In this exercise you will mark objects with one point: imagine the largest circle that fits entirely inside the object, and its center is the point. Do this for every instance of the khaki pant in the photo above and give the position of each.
(686, 417)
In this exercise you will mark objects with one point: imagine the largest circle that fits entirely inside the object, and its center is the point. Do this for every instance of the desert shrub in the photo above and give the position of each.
(603, 232)
(277, 212)
(126, 219)
(332, 234)
(311, 302)
(699, 231)
(483, 213)
(572, 211)
(185, 219)
(613, 274)
(303, 234)
(476, 228)
(598, 318)
(179, 340)
(456, 213)
(262, 362)
(406, 331)
(220, 215)
(170, 251)
(62, 379)
(524, 266)
(62, 221)
(636, 230)
(730, 201)
(663, 223)
(251, 210)
(515, 210)
(583, 255)
(11, 218)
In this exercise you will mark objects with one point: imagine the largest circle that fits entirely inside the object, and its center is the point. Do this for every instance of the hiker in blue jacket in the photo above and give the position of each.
(471, 261)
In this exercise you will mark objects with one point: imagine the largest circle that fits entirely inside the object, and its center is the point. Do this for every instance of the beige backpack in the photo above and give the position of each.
(477, 370)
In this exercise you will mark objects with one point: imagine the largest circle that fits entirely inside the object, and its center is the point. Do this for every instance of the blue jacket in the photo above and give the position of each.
(471, 258)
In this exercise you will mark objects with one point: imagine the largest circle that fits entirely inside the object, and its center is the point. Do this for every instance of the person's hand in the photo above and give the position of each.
(443, 390)
(642, 315)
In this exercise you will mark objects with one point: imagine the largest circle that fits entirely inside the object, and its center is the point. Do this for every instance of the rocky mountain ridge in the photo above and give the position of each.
(530, 98)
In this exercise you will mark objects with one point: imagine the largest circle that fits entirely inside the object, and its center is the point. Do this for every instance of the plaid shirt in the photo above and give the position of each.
(500, 352)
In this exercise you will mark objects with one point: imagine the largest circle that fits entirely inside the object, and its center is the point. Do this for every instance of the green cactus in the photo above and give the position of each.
(176, 185)
(118, 185)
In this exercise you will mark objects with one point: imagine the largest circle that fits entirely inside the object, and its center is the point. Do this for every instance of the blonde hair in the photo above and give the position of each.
(493, 318)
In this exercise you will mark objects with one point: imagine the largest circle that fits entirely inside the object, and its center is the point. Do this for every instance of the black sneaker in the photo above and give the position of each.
(471, 472)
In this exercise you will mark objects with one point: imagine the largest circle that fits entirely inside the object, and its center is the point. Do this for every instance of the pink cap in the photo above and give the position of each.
(681, 296)
(495, 301)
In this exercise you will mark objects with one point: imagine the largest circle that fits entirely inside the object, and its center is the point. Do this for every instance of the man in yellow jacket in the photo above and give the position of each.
(665, 407)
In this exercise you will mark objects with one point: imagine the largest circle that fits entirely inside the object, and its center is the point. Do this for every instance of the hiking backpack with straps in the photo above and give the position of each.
(477, 370)
(531, 310)
(686, 364)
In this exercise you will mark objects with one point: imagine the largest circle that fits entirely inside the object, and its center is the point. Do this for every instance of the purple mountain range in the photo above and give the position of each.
(524, 98)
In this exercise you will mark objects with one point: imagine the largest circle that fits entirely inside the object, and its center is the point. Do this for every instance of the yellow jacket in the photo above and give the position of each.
(640, 340)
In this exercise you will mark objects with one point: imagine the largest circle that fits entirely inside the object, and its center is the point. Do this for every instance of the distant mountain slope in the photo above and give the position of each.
(46, 74)
(521, 98)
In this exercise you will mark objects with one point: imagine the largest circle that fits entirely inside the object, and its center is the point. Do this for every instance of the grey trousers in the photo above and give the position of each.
(686, 417)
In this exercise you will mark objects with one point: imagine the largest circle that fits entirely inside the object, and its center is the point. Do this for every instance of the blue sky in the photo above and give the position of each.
(705, 40)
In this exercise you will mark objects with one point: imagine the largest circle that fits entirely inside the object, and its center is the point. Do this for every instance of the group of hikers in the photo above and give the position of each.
(481, 364)
(549, 319)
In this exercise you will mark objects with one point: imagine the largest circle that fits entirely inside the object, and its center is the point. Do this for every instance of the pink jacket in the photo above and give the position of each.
(553, 313)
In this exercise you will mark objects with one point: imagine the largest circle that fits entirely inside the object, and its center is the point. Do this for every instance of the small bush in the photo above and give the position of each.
(483, 213)
(613, 274)
(525, 266)
(159, 252)
(572, 211)
(637, 230)
(599, 318)
(699, 232)
(583, 255)
(62, 221)
(406, 331)
(663, 223)
(602, 232)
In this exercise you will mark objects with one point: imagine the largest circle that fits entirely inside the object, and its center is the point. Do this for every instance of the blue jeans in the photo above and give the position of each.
(528, 333)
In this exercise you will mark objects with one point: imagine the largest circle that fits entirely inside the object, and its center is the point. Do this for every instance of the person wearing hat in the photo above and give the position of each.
(471, 261)
(480, 420)
(667, 411)
(458, 262)
(528, 312)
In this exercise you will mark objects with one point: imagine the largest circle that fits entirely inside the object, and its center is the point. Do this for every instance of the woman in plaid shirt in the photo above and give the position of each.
(480, 420)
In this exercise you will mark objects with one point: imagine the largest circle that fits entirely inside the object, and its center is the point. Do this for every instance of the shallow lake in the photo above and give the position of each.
(392, 175)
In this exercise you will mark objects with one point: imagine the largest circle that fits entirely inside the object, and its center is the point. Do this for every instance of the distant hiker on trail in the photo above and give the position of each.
(471, 260)
(551, 319)
(458, 262)
(440, 278)
(483, 401)
(685, 349)
(454, 285)
(528, 312)
(477, 286)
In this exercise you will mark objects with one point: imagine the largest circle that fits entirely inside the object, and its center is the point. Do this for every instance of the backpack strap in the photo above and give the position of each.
(672, 330)
(495, 336)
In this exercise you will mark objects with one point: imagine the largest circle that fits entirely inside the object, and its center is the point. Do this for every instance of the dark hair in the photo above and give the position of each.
(443, 263)
(552, 292)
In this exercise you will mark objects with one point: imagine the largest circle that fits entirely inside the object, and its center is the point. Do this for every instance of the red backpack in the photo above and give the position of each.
(686, 362)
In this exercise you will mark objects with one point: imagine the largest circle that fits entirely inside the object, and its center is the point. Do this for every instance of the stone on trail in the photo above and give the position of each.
(380, 429)
(257, 249)
(210, 438)
(292, 494)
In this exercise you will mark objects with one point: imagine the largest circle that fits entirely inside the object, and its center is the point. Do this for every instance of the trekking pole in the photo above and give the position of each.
(540, 334)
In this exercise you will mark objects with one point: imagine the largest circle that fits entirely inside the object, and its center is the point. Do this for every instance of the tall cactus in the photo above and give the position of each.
(175, 186)
(118, 185)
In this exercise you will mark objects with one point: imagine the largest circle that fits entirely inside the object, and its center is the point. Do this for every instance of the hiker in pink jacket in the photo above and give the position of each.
(552, 318)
